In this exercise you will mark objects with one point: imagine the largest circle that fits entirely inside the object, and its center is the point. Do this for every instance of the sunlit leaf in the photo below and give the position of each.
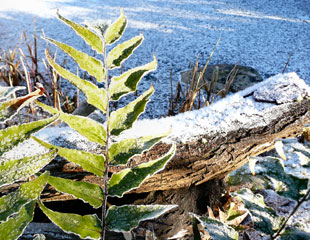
(13, 170)
(123, 118)
(121, 152)
(127, 217)
(279, 148)
(5, 92)
(88, 226)
(10, 137)
(14, 201)
(91, 162)
(95, 96)
(116, 30)
(15, 226)
(88, 192)
(128, 81)
(217, 230)
(131, 178)
(123, 51)
(90, 64)
(11, 107)
(87, 127)
(89, 37)
(265, 219)
(252, 163)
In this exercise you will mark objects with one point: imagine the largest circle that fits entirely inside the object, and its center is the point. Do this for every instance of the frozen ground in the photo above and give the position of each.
(255, 33)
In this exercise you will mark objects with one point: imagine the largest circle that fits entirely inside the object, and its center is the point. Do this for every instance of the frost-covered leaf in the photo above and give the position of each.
(89, 37)
(123, 51)
(121, 152)
(14, 170)
(87, 127)
(91, 162)
(15, 226)
(265, 219)
(14, 201)
(123, 118)
(11, 107)
(10, 137)
(128, 81)
(92, 65)
(116, 30)
(295, 234)
(217, 230)
(95, 96)
(270, 174)
(131, 178)
(127, 217)
(88, 192)
(87, 226)
(5, 92)
(298, 157)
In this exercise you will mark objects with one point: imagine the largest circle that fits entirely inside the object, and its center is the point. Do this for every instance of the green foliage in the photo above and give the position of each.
(14, 201)
(217, 229)
(90, 162)
(265, 219)
(90, 64)
(119, 152)
(127, 217)
(116, 30)
(122, 51)
(12, 136)
(88, 192)
(14, 170)
(88, 36)
(87, 226)
(129, 179)
(123, 118)
(16, 224)
(95, 96)
(17, 207)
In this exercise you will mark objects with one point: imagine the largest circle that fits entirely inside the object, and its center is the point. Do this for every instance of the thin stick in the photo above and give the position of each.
(28, 81)
(287, 62)
(301, 201)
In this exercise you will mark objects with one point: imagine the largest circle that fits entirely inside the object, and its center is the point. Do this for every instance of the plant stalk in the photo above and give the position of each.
(106, 163)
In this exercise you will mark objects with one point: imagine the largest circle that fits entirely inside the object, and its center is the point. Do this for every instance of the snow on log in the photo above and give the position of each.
(218, 139)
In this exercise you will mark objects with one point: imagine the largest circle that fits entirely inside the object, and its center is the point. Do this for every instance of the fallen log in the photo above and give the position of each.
(215, 141)
(211, 142)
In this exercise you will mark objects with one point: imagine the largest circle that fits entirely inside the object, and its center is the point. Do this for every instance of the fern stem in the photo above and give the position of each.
(106, 163)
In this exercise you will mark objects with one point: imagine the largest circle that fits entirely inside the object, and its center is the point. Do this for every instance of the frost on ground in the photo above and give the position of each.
(260, 34)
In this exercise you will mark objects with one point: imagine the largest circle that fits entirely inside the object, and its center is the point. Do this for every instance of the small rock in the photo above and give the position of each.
(246, 76)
